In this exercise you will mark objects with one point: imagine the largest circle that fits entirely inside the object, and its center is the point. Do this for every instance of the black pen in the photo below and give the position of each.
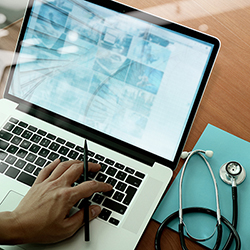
(86, 202)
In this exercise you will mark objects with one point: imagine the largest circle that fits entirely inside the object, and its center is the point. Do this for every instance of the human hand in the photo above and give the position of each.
(43, 214)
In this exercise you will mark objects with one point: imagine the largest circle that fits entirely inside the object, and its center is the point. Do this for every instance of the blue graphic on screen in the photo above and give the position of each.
(82, 62)
(112, 72)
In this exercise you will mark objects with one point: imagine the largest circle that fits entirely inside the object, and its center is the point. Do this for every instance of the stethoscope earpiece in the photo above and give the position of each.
(208, 153)
(184, 155)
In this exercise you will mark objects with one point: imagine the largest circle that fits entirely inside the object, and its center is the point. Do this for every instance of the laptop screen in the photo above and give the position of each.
(118, 71)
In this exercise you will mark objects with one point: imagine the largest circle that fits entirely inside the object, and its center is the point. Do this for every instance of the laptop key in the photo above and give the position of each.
(26, 179)
(121, 186)
(103, 166)
(17, 130)
(98, 198)
(60, 140)
(12, 149)
(101, 177)
(52, 156)
(43, 152)
(54, 146)
(140, 175)
(9, 126)
(80, 149)
(25, 144)
(45, 142)
(3, 144)
(93, 160)
(50, 136)
(26, 134)
(5, 135)
(32, 128)
(114, 221)
(34, 148)
(73, 154)
(121, 175)
(36, 138)
(90, 153)
(14, 120)
(31, 157)
(3, 167)
(111, 171)
(63, 158)
(105, 213)
(41, 132)
(63, 150)
(118, 196)
(130, 194)
(92, 175)
(133, 181)
(109, 161)
(80, 157)
(109, 193)
(20, 163)
(99, 157)
(40, 161)
(12, 172)
(29, 168)
(111, 181)
(3, 155)
(11, 159)
(16, 140)
(115, 206)
(70, 144)
(23, 124)
(129, 170)
(21, 153)
(119, 165)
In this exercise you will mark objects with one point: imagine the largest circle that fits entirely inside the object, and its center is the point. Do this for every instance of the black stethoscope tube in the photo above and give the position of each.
(234, 219)
(175, 215)
(230, 226)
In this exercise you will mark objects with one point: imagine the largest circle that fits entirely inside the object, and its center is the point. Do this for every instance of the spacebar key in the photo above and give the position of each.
(115, 206)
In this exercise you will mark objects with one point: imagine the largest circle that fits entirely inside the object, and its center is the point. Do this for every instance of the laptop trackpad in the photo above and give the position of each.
(10, 201)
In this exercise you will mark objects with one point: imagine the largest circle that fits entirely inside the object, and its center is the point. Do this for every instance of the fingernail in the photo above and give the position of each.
(95, 211)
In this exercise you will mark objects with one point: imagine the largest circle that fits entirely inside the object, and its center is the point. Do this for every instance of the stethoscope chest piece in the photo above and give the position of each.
(232, 170)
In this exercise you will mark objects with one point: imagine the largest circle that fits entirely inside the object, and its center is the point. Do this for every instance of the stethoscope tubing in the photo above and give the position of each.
(214, 181)
(199, 210)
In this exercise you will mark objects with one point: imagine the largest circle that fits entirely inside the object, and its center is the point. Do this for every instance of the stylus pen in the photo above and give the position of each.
(86, 202)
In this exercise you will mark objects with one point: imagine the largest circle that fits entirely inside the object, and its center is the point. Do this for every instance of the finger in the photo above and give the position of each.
(93, 167)
(45, 172)
(74, 172)
(62, 167)
(86, 189)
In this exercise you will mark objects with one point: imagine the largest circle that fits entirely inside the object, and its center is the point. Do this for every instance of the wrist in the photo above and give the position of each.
(10, 232)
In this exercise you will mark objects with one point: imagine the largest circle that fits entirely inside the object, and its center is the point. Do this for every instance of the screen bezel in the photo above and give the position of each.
(104, 139)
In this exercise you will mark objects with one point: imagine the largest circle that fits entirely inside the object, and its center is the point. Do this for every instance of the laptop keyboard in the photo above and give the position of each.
(25, 150)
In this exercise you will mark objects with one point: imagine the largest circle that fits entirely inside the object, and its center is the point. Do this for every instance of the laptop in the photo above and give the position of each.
(125, 80)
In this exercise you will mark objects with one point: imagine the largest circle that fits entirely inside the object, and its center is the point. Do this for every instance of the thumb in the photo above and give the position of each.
(94, 211)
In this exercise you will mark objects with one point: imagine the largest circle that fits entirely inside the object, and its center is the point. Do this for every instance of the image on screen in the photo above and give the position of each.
(122, 76)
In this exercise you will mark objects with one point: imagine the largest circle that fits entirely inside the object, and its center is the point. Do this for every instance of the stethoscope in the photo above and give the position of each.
(231, 173)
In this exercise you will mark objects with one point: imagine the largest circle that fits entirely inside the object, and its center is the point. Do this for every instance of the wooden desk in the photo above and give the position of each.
(226, 102)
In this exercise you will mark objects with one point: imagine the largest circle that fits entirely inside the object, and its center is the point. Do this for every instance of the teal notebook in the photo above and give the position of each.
(198, 188)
